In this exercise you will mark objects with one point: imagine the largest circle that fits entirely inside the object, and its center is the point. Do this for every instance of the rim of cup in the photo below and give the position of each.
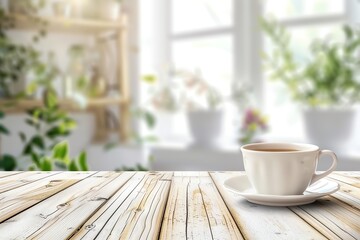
(299, 147)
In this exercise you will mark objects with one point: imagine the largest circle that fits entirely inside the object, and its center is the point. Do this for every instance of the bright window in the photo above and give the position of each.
(222, 40)
(302, 8)
(305, 21)
(198, 15)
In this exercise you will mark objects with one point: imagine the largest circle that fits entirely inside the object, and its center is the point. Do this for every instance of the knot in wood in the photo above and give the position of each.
(90, 226)
(98, 199)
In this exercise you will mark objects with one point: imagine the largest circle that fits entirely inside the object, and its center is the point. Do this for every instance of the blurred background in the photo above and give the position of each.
(175, 84)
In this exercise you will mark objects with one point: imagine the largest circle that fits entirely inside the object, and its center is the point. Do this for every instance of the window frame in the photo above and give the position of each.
(246, 35)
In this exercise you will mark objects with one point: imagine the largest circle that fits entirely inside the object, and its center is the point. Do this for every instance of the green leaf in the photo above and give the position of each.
(54, 132)
(82, 162)
(61, 151)
(51, 100)
(38, 141)
(72, 166)
(40, 69)
(348, 31)
(2, 114)
(28, 149)
(4, 130)
(32, 168)
(31, 122)
(35, 158)
(46, 165)
(8, 162)
(70, 123)
(22, 137)
(150, 119)
(31, 88)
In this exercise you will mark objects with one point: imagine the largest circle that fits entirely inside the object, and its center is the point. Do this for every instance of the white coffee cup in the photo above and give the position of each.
(283, 168)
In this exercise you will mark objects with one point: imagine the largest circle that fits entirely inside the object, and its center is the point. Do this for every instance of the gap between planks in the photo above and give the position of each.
(138, 205)
(19, 199)
(4, 174)
(196, 210)
(67, 210)
(15, 181)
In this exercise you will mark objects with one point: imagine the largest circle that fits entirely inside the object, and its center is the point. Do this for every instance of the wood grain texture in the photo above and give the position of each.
(164, 205)
(348, 193)
(330, 217)
(18, 180)
(5, 174)
(195, 210)
(36, 220)
(133, 213)
(16, 200)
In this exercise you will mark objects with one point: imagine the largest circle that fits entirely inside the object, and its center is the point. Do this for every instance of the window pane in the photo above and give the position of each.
(213, 56)
(285, 117)
(191, 15)
(299, 8)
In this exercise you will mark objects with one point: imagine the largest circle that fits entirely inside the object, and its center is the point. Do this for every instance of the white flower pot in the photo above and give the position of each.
(329, 128)
(205, 127)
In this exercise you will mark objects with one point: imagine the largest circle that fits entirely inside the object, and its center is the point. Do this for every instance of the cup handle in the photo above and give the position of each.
(317, 177)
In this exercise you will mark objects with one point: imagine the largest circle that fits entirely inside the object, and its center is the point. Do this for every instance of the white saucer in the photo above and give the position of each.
(241, 185)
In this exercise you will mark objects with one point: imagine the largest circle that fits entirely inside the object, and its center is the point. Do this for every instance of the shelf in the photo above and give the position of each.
(13, 106)
(60, 24)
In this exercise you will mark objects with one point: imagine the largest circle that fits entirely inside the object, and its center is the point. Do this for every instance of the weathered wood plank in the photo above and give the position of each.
(221, 222)
(332, 218)
(352, 180)
(13, 177)
(18, 199)
(136, 213)
(167, 176)
(195, 210)
(25, 178)
(97, 222)
(191, 174)
(348, 199)
(348, 194)
(175, 218)
(4, 174)
(164, 205)
(67, 210)
(261, 222)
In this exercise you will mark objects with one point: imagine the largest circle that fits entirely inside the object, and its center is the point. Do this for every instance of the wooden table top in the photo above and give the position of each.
(164, 205)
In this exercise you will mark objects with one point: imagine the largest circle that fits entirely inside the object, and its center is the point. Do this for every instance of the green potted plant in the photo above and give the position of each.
(327, 85)
(202, 104)
(17, 60)
(188, 92)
